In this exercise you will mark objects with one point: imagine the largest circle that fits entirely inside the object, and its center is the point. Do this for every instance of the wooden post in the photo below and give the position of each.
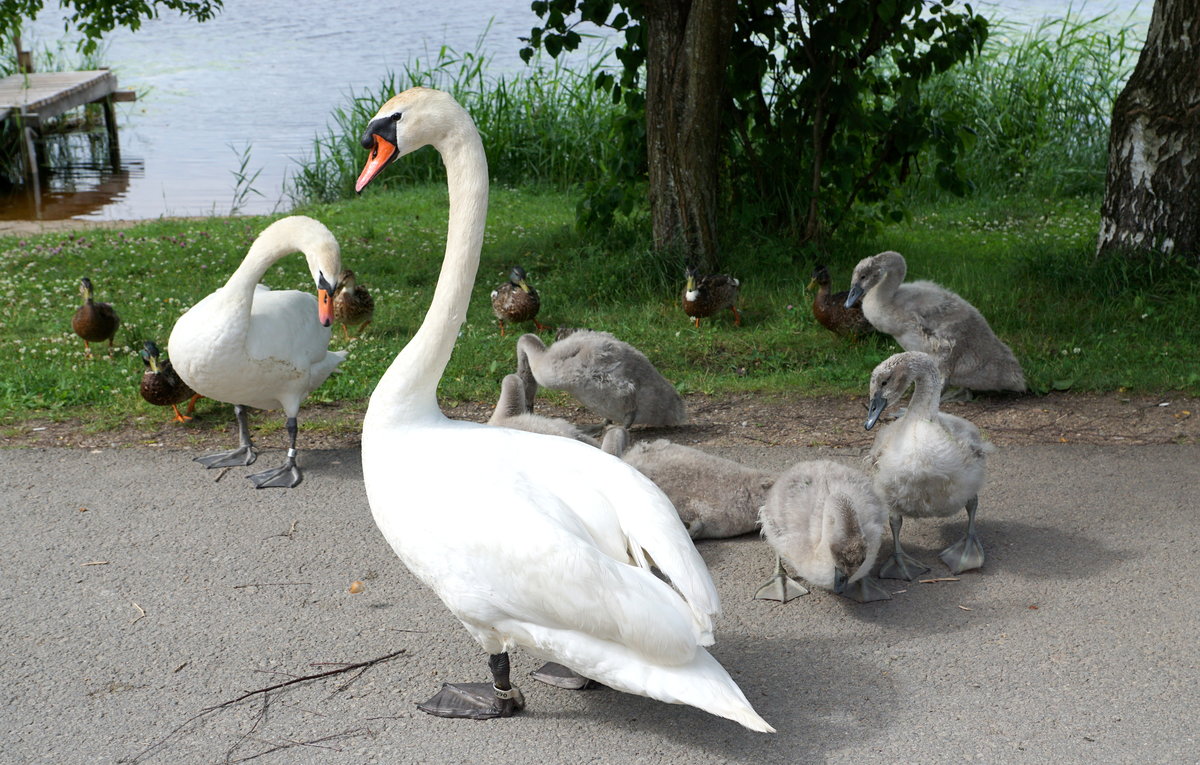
(114, 143)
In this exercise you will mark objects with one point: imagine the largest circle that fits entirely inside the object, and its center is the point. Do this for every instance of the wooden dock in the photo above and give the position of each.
(36, 98)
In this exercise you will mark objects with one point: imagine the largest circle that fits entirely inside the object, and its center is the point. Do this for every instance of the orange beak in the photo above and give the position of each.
(325, 307)
(380, 156)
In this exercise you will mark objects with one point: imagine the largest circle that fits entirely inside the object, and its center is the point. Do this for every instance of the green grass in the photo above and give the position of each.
(1026, 263)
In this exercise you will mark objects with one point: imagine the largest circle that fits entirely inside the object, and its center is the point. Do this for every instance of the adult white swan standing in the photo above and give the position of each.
(550, 551)
(250, 346)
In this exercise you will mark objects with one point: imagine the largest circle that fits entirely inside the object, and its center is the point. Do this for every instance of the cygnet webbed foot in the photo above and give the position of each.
(901, 565)
(865, 590)
(474, 701)
(559, 676)
(239, 457)
(780, 586)
(963, 555)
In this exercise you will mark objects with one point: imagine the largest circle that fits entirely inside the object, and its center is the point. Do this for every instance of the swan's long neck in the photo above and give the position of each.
(407, 392)
(264, 252)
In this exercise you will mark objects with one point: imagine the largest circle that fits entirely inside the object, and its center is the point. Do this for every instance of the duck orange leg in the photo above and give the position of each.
(737, 317)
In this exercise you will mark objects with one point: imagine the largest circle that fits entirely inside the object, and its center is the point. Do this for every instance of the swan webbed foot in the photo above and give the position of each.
(286, 476)
(963, 555)
(901, 565)
(474, 701)
(239, 457)
(865, 590)
(559, 676)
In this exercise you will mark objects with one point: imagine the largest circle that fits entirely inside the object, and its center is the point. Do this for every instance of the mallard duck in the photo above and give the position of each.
(926, 463)
(703, 296)
(516, 300)
(352, 304)
(825, 521)
(94, 322)
(831, 311)
(926, 317)
(161, 386)
(608, 376)
(510, 412)
(551, 549)
(255, 347)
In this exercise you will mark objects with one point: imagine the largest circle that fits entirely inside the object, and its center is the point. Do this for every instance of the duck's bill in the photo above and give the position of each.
(878, 404)
(382, 153)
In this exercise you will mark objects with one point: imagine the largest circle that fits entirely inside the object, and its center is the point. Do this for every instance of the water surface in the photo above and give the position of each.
(261, 79)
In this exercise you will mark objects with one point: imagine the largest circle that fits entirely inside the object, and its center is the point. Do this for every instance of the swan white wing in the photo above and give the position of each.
(563, 540)
(646, 523)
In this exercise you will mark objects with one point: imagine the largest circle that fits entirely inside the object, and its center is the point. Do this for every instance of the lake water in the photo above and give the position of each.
(263, 78)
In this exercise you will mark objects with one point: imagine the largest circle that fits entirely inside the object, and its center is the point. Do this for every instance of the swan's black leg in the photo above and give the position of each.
(966, 553)
(287, 476)
(479, 701)
(243, 455)
(900, 565)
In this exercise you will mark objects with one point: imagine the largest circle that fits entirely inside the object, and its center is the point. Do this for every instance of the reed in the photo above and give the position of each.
(1039, 101)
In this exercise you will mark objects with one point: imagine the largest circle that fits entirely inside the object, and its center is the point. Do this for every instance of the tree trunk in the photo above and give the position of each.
(1152, 190)
(687, 47)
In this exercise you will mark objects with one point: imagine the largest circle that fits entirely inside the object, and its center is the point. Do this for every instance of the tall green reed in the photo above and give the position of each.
(1040, 100)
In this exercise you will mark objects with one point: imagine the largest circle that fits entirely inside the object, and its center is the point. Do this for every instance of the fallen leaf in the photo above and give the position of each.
(356, 587)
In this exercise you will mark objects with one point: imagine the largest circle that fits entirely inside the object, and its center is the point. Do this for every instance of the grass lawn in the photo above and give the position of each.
(1025, 263)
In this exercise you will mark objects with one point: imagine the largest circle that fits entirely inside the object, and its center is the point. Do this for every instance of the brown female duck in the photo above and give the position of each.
(703, 296)
(829, 308)
(162, 386)
(94, 322)
(516, 300)
(352, 304)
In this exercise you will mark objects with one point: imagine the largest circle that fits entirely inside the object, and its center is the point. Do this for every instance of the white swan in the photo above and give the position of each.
(927, 463)
(250, 346)
(927, 317)
(550, 551)
(608, 376)
(826, 521)
(510, 412)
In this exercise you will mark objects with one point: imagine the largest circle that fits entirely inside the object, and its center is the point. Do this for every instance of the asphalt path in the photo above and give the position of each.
(140, 593)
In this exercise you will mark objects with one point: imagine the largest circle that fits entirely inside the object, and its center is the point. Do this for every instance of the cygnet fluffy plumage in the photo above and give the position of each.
(926, 463)
(510, 412)
(715, 497)
(608, 376)
(927, 317)
(826, 522)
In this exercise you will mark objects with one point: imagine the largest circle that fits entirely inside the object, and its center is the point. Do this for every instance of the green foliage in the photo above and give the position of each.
(825, 115)
(95, 18)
